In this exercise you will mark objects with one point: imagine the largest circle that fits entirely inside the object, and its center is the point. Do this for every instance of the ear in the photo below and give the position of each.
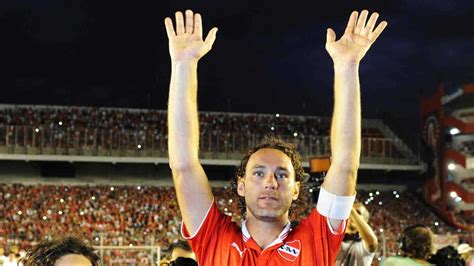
(296, 190)
(240, 187)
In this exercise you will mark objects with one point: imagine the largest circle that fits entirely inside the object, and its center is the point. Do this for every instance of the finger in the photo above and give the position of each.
(211, 38)
(361, 22)
(179, 23)
(169, 28)
(370, 24)
(198, 25)
(376, 33)
(351, 23)
(330, 36)
(189, 21)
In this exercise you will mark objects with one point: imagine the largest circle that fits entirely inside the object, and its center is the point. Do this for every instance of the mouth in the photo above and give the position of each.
(269, 198)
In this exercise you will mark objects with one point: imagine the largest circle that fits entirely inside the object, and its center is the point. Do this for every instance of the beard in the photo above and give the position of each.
(269, 213)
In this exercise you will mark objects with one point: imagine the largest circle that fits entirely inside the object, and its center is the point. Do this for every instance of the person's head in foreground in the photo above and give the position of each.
(61, 252)
(447, 256)
(268, 180)
(182, 250)
(417, 242)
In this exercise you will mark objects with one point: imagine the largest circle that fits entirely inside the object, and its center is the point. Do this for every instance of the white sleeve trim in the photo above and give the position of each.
(333, 206)
(199, 228)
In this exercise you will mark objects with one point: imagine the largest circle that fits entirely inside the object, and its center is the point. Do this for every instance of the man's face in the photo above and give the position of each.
(73, 259)
(269, 185)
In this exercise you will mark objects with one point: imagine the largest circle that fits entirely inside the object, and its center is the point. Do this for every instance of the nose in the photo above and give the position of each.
(271, 181)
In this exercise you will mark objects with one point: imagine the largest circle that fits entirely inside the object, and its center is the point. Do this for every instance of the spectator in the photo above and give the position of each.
(416, 245)
(360, 242)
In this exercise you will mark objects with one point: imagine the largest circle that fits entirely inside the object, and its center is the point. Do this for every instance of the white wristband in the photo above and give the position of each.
(333, 206)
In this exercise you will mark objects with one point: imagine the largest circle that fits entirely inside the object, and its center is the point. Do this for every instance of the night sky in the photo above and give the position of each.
(269, 56)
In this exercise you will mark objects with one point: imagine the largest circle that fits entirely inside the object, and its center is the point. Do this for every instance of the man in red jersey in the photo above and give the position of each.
(270, 174)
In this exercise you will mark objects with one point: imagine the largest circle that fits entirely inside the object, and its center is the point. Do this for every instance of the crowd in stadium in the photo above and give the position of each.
(90, 127)
(79, 118)
(137, 215)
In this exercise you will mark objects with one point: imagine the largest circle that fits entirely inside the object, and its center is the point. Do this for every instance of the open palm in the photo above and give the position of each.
(357, 38)
(186, 43)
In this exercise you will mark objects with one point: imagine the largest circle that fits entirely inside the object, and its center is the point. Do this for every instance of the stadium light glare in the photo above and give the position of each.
(436, 224)
(395, 192)
(377, 192)
(380, 203)
(37, 130)
(44, 218)
(112, 188)
(61, 200)
(225, 209)
(139, 187)
(139, 146)
(458, 199)
(371, 194)
(277, 115)
(19, 212)
(295, 134)
(397, 196)
(381, 230)
(230, 201)
(60, 212)
(451, 166)
(454, 131)
(310, 190)
(93, 197)
(453, 194)
(60, 123)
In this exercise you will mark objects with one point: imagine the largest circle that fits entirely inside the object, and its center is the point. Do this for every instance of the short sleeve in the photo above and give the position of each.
(208, 237)
(327, 240)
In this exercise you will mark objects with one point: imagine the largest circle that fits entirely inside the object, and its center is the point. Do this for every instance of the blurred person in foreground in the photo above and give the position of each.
(181, 249)
(467, 253)
(360, 242)
(61, 252)
(269, 176)
(447, 256)
(416, 246)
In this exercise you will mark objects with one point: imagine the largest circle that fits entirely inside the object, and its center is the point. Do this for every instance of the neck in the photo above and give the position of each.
(265, 232)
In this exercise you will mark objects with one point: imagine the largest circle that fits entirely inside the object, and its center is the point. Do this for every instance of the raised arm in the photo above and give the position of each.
(365, 231)
(346, 54)
(186, 47)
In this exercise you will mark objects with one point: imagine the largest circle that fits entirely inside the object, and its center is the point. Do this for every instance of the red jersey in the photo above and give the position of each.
(220, 242)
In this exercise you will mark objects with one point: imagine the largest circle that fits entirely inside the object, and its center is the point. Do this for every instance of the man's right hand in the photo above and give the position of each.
(186, 43)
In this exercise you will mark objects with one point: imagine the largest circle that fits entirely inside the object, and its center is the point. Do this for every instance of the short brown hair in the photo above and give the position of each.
(48, 252)
(417, 242)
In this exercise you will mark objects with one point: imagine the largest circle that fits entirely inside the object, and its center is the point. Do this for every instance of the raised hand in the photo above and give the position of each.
(186, 43)
(357, 38)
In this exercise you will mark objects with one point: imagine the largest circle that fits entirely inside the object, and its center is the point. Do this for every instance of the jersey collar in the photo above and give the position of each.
(284, 233)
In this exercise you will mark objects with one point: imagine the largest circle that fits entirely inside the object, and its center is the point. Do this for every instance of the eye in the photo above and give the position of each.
(281, 175)
(259, 173)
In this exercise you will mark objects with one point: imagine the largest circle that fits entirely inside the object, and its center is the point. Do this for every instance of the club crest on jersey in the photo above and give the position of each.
(290, 250)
